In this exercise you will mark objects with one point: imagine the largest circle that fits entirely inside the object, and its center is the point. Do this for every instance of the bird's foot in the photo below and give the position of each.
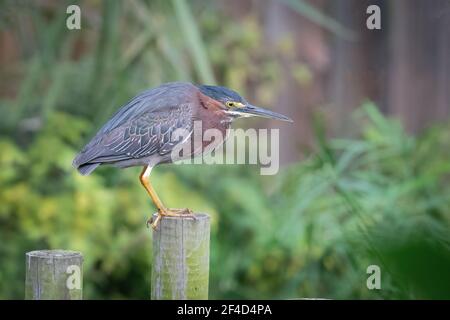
(184, 213)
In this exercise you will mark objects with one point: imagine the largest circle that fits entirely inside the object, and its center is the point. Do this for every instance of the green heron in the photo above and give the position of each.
(140, 133)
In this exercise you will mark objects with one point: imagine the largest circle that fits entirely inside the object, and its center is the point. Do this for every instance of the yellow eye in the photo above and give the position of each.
(230, 104)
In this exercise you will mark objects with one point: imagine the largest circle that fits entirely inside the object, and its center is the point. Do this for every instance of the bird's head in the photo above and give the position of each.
(236, 106)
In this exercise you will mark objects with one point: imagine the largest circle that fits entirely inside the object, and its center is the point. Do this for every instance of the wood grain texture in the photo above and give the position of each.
(54, 275)
(181, 258)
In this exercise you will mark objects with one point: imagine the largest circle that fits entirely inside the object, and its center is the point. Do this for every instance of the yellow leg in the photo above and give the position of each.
(144, 178)
(162, 210)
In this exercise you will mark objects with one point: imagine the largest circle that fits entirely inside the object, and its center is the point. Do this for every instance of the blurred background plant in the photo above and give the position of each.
(378, 194)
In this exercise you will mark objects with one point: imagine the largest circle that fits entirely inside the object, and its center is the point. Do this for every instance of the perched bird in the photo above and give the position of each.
(140, 133)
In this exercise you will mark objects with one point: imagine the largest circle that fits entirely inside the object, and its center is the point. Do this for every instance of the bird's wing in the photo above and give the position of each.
(141, 136)
(165, 96)
(150, 133)
(126, 135)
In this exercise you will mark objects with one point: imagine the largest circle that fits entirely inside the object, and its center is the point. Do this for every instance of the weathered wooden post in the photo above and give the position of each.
(54, 275)
(181, 258)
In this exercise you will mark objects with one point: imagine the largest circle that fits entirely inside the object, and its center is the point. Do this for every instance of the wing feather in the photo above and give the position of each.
(135, 139)
(143, 126)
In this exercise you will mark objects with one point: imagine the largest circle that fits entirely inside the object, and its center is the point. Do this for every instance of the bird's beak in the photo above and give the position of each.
(250, 110)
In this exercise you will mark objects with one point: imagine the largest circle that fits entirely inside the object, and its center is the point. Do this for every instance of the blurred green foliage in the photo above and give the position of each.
(311, 231)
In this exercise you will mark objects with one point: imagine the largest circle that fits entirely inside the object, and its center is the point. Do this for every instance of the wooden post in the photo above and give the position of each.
(54, 275)
(181, 258)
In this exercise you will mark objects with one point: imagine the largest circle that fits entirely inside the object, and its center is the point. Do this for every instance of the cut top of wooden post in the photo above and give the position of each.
(56, 254)
(53, 275)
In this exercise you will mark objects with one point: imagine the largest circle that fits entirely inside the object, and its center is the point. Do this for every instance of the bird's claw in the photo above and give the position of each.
(188, 213)
(184, 213)
(149, 222)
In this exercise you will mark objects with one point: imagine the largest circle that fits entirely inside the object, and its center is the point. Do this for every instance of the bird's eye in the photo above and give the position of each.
(230, 104)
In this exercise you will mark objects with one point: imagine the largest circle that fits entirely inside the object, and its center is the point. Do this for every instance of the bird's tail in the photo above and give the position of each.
(83, 164)
(92, 156)
(87, 168)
